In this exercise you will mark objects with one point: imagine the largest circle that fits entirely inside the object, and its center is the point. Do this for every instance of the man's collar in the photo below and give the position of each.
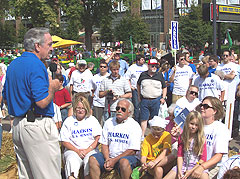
(125, 120)
(111, 77)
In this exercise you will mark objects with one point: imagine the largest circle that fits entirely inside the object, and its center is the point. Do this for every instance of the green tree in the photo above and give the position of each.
(132, 26)
(91, 16)
(193, 31)
(7, 35)
(39, 11)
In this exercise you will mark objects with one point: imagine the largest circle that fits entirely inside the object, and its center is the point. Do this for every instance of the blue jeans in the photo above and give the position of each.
(136, 105)
(64, 114)
(133, 161)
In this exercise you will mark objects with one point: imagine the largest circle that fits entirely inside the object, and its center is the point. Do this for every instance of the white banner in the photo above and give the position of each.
(146, 4)
(174, 35)
(182, 3)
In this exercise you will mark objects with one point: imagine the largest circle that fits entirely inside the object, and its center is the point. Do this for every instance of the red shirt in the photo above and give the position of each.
(61, 97)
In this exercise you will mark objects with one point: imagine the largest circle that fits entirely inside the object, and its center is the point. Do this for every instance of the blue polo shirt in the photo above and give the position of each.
(26, 83)
(123, 67)
(211, 70)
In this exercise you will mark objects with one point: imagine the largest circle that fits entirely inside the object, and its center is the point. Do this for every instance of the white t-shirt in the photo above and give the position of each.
(227, 68)
(80, 133)
(232, 162)
(96, 81)
(181, 79)
(121, 137)
(217, 138)
(134, 72)
(57, 113)
(210, 86)
(184, 103)
(82, 82)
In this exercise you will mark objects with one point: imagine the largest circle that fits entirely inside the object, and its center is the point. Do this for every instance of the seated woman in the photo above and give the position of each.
(79, 135)
(217, 137)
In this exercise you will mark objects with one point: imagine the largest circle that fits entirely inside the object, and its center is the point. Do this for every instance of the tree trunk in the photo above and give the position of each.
(18, 23)
(135, 8)
(88, 37)
(2, 20)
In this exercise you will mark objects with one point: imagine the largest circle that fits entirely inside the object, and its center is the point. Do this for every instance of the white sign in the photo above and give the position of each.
(174, 35)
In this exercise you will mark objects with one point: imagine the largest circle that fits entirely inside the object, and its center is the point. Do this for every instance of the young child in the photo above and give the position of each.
(155, 148)
(62, 98)
(192, 149)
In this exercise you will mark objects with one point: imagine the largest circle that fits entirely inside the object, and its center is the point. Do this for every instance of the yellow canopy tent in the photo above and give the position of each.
(56, 38)
(65, 43)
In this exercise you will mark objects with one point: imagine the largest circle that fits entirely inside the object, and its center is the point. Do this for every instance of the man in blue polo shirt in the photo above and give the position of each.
(29, 93)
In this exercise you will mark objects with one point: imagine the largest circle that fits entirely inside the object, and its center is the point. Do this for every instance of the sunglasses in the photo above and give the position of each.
(103, 66)
(225, 55)
(194, 93)
(154, 66)
(205, 106)
(122, 108)
(181, 59)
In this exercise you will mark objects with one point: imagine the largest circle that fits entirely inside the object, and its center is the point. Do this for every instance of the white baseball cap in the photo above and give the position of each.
(158, 122)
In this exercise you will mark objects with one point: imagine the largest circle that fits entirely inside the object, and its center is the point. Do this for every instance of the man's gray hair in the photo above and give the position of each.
(131, 107)
(33, 36)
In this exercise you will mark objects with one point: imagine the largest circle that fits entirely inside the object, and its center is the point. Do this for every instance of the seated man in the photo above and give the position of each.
(190, 101)
(119, 143)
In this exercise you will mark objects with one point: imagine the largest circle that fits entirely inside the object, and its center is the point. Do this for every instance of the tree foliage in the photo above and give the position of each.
(38, 11)
(91, 16)
(132, 26)
(7, 35)
(193, 31)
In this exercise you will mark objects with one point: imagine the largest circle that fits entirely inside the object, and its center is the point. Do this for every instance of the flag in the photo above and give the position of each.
(229, 39)
(131, 43)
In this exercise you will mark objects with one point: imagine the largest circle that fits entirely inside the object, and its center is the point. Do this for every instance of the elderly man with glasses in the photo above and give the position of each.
(152, 92)
(120, 139)
(181, 75)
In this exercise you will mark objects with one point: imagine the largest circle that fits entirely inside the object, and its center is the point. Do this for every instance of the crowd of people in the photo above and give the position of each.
(120, 108)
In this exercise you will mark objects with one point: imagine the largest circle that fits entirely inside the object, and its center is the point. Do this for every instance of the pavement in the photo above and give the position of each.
(233, 145)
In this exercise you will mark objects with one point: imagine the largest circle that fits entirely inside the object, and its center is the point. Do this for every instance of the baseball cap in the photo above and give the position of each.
(82, 62)
(152, 62)
(158, 122)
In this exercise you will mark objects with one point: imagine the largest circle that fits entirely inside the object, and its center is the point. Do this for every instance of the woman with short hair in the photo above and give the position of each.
(79, 135)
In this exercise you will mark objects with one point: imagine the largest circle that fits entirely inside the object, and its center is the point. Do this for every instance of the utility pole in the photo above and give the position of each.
(214, 28)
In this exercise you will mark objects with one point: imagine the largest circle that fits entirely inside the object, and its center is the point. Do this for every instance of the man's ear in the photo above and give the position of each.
(37, 47)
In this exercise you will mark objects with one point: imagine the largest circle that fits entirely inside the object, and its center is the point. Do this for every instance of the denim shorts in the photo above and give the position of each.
(149, 108)
(132, 159)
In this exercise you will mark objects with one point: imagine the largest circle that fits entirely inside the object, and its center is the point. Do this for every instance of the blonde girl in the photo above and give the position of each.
(191, 148)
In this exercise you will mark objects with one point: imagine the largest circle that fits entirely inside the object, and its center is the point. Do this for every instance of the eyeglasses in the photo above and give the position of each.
(103, 66)
(194, 93)
(122, 108)
(79, 109)
(205, 106)
(225, 55)
(156, 66)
